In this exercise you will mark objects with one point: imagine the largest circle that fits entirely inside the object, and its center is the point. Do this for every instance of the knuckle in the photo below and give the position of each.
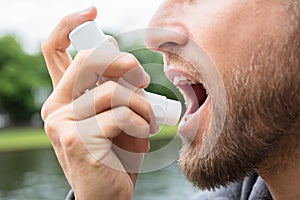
(45, 110)
(44, 113)
(66, 21)
(107, 91)
(126, 62)
(83, 54)
(50, 127)
(110, 85)
(69, 140)
(122, 114)
(82, 59)
(45, 46)
(123, 111)
(61, 132)
(55, 121)
(94, 162)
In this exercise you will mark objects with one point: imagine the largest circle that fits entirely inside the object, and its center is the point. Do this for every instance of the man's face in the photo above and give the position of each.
(254, 48)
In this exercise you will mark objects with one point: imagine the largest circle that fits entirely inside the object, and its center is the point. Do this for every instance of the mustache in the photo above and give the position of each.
(183, 64)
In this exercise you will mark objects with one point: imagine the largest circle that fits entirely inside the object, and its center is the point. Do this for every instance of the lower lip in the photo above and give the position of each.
(196, 123)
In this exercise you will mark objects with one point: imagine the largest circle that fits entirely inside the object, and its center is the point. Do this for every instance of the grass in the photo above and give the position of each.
(35, 138)
(165, 132)
(23, 139)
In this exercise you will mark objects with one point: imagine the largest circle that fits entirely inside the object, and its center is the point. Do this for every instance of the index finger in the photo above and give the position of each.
(54, 48)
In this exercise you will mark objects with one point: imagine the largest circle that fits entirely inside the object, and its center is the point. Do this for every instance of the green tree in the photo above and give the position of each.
(21, 76)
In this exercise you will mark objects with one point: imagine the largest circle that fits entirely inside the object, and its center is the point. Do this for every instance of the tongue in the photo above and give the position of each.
(200, 93)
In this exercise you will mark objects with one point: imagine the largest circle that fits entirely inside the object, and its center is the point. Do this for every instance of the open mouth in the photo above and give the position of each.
(193, 91)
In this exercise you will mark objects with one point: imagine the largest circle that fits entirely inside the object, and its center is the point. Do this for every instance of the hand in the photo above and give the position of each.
(98, 134)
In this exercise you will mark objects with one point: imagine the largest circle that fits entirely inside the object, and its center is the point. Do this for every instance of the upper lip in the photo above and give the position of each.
(173, 72)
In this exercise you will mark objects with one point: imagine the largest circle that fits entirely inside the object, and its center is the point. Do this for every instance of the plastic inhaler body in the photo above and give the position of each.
(89, 35)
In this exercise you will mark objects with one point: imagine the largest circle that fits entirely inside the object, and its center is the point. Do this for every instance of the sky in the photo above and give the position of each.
(32, 20)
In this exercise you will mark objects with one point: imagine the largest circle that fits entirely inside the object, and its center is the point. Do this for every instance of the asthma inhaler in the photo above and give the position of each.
(89, 35)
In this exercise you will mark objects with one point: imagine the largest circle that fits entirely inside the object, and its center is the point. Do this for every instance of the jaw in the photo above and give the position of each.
(196, 120)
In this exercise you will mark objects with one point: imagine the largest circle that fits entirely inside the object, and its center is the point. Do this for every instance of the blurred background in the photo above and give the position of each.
(28, 166)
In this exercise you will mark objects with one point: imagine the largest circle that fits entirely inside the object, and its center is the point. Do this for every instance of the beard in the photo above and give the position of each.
(262, 122)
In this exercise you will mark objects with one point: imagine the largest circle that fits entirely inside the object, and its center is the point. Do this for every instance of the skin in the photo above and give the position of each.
(251, 43)
(87, 156)
(237, 42)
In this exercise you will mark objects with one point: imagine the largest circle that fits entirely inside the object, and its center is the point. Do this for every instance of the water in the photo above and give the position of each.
(168, 183)
(31, 175)
(36, 175)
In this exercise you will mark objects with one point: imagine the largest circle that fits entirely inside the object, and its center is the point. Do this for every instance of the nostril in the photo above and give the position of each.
(160, 39)
(167, 47)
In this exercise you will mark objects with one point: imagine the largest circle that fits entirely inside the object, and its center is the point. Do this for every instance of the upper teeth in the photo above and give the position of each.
(182, 80)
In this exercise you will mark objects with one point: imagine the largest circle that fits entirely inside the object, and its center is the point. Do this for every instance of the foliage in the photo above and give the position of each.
(21, 76)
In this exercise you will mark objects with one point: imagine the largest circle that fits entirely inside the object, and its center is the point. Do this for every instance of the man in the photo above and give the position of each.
(253, 47)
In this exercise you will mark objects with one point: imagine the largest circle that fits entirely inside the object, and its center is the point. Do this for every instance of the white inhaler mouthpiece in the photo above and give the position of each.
(89, 35)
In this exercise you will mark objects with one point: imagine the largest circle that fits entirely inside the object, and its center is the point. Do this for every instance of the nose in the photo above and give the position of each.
(166, 30)
(164, 38)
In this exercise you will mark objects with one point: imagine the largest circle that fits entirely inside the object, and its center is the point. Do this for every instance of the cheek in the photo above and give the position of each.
(233, 32)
